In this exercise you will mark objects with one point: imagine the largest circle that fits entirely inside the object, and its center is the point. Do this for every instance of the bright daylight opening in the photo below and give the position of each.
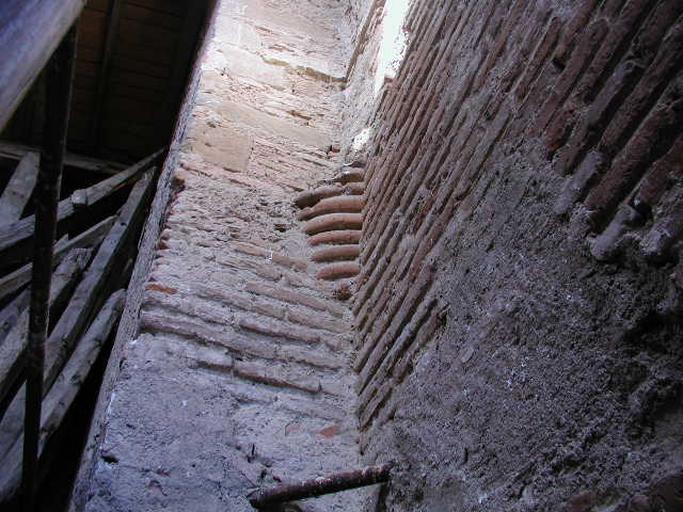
(392, 48)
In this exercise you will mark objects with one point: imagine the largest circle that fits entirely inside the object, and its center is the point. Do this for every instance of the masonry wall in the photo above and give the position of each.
(359, 95)
(519, 304)
(231, 371)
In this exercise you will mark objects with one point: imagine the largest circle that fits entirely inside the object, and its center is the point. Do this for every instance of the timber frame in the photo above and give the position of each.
(84, 254)
(39, 370)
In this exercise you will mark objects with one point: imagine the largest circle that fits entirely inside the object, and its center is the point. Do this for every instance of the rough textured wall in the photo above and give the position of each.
(239, 374)
(359, 94)
(518, 310)
(357, 14)
(128, 325)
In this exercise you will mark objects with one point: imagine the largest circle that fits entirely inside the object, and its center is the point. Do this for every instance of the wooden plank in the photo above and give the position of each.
(15, 236)
(87, 295)
(143, 81)
(21, 276)
(10, 314)
(167, 6)
(134, 111)
(148, 35)
(112, 28)
(84, 301)
(17, 152)
(89, 238)
(63, 394)
(30, 31)
(59, 75)
(19, 189)
(162, 19)
(98, 5)
(12, 350)
(134, 62)
(92, 27)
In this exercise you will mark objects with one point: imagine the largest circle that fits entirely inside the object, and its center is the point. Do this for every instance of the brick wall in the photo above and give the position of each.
(231, 370)
(517, 311)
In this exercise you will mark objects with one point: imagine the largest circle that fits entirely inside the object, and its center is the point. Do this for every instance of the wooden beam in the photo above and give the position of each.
(89, 238)
(12, 407)
(15, 237)
(13, 151)
(30, 31)
(63, 394)
(82, 303)
(11, 312)
(59, 76)
(85, 299)
(104, 72)
(19, 189)
(12, 350)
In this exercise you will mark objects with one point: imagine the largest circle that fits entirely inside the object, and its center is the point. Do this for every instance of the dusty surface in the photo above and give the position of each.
(240, 375)
(517, 328)
(546, 383)
(520, 188)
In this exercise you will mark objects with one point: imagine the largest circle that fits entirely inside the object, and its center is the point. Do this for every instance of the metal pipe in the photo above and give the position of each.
(59, 78)
(371, 475)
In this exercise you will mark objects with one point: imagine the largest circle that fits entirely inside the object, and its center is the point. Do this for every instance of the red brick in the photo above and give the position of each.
(593, 122)
(270, 255)
(573, 28)
(278, 330)
(337, 253)
(576, 65)
(276, 376)
(661, 175)
(558, 132)
(334, 221)
(341, 237)
(156, 287)
(338, 271)
(340, 204)
(329, 432)
(312, 197)
(512, 15)
(632, 163)
(649, 38)
(655, 79)
(294, 297)
(545, 46)
(317, 321)
(613, 47)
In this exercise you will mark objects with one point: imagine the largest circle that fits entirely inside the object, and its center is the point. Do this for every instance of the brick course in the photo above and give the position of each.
(500, 107)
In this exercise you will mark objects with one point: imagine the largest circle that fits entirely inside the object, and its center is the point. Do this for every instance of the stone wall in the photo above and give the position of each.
(129, 323)
(518, 309)
(359, 96)
(517, 317)
(236, 373)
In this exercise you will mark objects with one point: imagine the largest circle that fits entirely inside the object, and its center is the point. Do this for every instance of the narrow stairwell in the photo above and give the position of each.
(236, 328)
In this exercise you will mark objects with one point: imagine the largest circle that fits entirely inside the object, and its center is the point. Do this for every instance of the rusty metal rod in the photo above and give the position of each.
(59, 78)
(320, 486)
